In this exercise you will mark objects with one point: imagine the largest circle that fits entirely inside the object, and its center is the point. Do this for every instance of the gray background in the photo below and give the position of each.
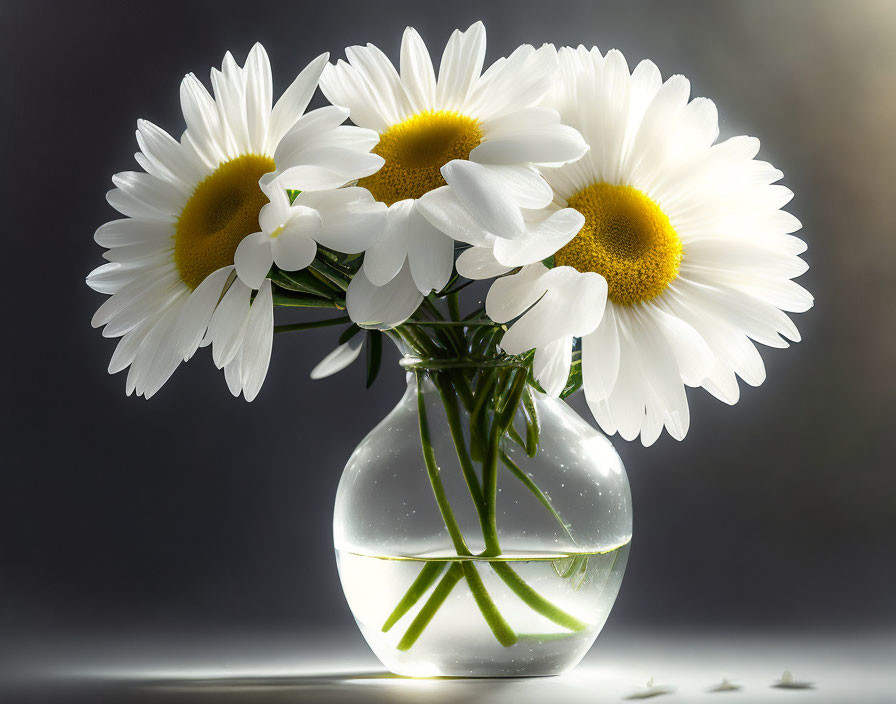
(197, 513)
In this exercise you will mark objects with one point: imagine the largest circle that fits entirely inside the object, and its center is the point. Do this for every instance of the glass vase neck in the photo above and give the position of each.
(412, 363)
(413, 358)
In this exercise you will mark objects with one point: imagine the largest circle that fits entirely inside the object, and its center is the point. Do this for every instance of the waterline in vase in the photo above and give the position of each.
(457, 641)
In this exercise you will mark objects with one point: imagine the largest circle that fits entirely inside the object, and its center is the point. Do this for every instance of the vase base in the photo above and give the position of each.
(482, 670)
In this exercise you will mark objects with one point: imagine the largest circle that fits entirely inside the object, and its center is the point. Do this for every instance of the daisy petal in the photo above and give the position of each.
(258, 97)
(344, 86)
(461, 65)
(525, 185)
(382, 307)
(382, 79)
(430, 254)
(350, 218)
(479, 263)
(511, 296)
(295, 99)
(255, 354)
(167, 155)
(253, 259)
(228, 323)
(547, 145)
(202, 118)
(572, 305)
(551, 365)
(417, 73)
(196, 313)
(443, 209)
(338, 359)
(387, 253)
(293, 250)
(483, 194)
(600, 359)
(126, 231)
(541, 240)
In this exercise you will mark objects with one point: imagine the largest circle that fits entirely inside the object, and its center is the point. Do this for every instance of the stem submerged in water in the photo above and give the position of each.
(534, 600)
(428, 575)
(436, 599)
(502, 630)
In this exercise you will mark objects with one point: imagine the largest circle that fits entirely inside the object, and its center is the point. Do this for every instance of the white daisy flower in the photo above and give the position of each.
(685, 256)
(171, 258)
(467, 141)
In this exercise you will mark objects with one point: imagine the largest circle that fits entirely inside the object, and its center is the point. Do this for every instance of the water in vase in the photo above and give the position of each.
(551, 608)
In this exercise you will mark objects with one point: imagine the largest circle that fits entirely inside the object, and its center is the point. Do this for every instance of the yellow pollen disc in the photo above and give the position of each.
(221, 212)
(627, 239)
(416, 149)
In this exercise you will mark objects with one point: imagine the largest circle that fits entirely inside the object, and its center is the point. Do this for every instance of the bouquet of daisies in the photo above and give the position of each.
(630, 253)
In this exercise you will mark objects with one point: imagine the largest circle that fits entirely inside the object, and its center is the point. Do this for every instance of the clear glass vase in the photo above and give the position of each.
(468, 550)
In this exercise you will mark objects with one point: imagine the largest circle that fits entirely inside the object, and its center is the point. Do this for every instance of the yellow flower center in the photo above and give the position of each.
(221, 212)
(416, 149)
(627, 239)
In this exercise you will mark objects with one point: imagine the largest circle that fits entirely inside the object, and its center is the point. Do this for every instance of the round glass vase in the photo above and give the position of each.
(469, 551)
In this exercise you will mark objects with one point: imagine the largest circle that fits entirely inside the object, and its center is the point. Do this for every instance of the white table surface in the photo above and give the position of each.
(844, 668)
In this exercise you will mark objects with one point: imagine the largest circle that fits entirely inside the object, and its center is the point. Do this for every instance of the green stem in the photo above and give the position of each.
(534, 600)
(435, 601)
(428, 575)
(502, 631)
(295, 300)
(451, 338)
(433, 309)
(490, 494)
(421, 344)
(478, 425)
(456, 289)
(503, 417)
(533, 429)
(453, 306)
(293, 327)
(533, 488)
(435, 479)
(457, 435)
(461, 385)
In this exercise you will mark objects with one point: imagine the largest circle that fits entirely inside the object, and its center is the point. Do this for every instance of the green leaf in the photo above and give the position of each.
(533, 429)
(301, 281)
(328, 273)
(573, 568)
(293, 194)
(483, 400)
(298, 300)
(349, 333)
(374, 355)
(574, 382)
(535, 491)
(310, 325)
(346, 264)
